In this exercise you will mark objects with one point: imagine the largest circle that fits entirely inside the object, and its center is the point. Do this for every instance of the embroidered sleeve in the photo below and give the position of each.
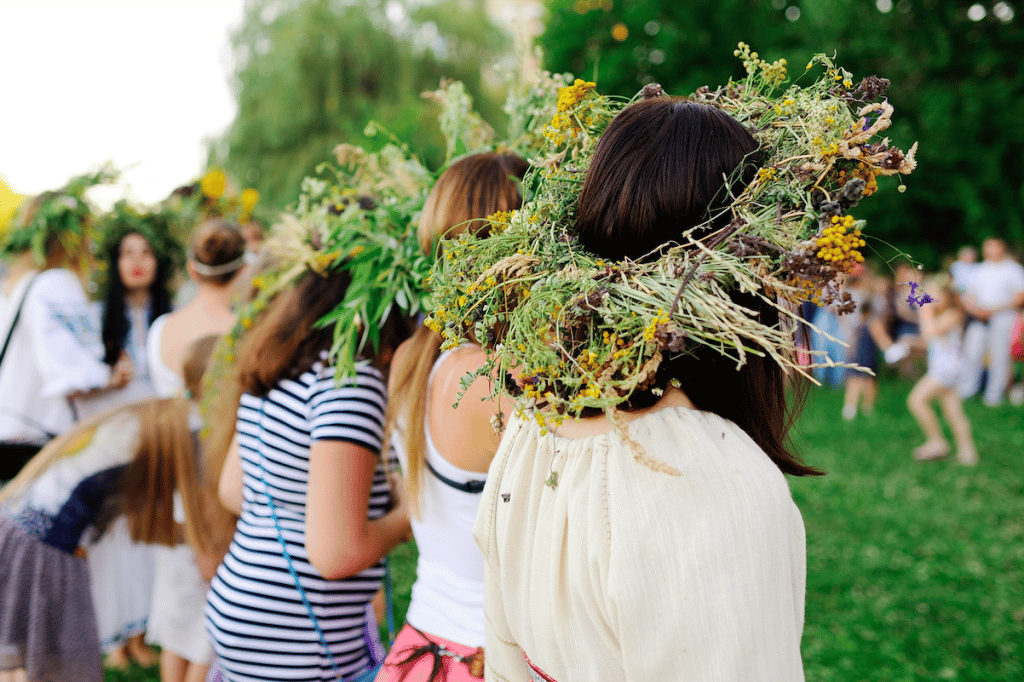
(65, 339)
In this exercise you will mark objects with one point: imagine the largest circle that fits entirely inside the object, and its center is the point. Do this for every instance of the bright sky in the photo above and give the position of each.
(142, 83)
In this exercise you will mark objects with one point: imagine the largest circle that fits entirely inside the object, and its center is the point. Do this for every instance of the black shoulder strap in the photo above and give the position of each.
(472, 487)
(14, 322)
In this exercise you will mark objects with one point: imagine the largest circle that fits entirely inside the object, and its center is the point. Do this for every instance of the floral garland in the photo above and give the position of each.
(159, 226)
(64, 213)
(359, 216)
(214, 196)
(589, 333)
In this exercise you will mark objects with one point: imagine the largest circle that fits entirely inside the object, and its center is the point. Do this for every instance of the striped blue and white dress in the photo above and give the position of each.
(256, 619)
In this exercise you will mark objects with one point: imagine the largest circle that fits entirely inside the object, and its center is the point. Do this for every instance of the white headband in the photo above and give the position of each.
(216, 270)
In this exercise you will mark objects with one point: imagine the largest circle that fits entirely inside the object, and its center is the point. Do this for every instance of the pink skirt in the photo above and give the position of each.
(431, 665)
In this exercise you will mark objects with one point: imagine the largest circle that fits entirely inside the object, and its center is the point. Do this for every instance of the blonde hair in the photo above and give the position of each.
(164, 461)
(470, 190)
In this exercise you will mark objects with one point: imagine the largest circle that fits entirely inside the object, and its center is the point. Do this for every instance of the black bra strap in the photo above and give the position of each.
(472, 487)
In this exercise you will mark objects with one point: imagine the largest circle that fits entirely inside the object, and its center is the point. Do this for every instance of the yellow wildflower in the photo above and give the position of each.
(214, 183)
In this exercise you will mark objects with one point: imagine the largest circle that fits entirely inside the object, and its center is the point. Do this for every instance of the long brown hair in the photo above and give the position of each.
(664, 166)
(164, 461)
(469, 190)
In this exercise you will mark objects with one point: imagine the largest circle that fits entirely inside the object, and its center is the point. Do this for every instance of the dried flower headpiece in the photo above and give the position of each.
(588, 333)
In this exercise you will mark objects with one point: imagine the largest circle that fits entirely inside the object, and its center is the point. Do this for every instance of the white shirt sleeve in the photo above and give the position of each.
(65, 340)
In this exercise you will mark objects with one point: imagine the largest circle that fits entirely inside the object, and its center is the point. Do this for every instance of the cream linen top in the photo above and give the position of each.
(622, 573)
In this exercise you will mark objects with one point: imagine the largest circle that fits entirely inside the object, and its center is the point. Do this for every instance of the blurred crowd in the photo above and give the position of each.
(958, 332)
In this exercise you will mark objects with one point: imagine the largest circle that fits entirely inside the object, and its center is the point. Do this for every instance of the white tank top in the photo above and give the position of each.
(166, 382)
(448, 595)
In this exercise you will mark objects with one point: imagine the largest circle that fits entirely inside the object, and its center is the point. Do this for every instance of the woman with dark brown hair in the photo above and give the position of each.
(316, 515)
(620, 570)
(131, 461)
(445, 451)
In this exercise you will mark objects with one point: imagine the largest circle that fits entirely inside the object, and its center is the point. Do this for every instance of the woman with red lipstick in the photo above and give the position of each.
(139, 256)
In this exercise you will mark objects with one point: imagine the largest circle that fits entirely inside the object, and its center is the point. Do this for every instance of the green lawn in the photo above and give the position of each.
(915, 571)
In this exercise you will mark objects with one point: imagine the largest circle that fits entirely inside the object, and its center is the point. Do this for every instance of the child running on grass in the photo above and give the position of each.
(942, 323)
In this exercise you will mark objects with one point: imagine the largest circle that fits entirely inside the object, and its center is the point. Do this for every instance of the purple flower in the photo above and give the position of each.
(917, 300)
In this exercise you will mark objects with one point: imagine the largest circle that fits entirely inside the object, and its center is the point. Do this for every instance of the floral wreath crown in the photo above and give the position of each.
(64, 214)
(588, 333)
(159, 226)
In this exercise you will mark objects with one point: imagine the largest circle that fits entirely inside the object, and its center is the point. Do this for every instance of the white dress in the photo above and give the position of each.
(621, 572)
(176, 620)
(122, 571)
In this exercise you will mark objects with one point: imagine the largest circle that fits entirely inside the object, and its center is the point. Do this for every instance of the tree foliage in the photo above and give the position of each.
(311, 74)
(956, 85)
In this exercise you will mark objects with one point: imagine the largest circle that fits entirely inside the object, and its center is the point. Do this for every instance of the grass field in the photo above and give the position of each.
(915, 571)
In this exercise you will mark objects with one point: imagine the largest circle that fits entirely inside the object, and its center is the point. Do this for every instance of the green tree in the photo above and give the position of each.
(957, 88)
(311, 74)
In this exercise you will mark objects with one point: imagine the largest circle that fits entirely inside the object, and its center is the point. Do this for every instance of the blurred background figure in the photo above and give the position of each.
(138, 258)
(127, 463)
(942, 329)
(827, 341)
(963, 267)
(861, 387)
(993, 296)
(51, 349)
(216, 256)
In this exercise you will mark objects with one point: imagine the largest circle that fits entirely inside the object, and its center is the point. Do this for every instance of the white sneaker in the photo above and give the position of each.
(1017, 395)
(849, 412)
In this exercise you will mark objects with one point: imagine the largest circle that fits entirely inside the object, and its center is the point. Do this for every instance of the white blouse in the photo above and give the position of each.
(621, 572)
(55, 351)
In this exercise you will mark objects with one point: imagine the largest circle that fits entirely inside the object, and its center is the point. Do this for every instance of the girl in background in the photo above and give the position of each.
(126, 462)
(179, 591)
(445, 451)
(304, 473)
(941, 327)
(136, 294)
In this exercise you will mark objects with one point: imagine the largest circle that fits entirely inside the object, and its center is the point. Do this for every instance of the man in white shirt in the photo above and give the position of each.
(994, 294)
